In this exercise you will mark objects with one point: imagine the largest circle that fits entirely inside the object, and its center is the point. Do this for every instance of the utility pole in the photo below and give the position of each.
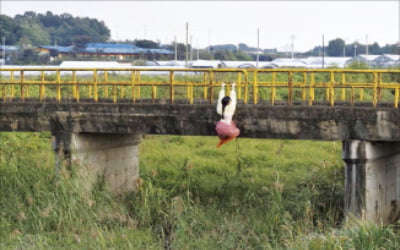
(198, 50)
(187, 47)
(4, 50)
(355, 49)
(258, 46)
(292, 45)
(191, 49)
(176, 50)
(344, 50)
(366, 48)
(323, 51)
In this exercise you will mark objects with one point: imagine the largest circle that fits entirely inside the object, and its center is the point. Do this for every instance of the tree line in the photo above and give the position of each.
(31, 28)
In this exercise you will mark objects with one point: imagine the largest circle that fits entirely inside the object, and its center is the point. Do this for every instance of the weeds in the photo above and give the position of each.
(252, 194)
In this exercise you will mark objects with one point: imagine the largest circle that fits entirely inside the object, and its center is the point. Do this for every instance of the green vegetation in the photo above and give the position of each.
(250, 194)
(43, 29)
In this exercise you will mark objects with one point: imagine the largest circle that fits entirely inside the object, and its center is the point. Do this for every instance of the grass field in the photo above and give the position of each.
(249, 194)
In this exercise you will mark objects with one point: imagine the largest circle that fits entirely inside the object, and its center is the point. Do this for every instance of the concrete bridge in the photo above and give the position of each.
(102, 132)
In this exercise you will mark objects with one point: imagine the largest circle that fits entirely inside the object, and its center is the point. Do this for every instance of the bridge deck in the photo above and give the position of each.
(362, 122)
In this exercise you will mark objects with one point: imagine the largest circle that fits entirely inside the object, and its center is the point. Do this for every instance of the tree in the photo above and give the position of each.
(35, 33)
(335, 47)
(148, 44)
(374, 49)
(243, 56)
(10, 30)
(224, 55)
(41, 29)
(80, 41)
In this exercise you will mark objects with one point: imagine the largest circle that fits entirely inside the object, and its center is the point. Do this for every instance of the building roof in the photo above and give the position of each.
(207, 64)
(9, 48)
(108, 48)
(368, 57)
(61, 49)
(392, 57)
(240, 64)
(288, 62)
(89, 64)
(328, 61)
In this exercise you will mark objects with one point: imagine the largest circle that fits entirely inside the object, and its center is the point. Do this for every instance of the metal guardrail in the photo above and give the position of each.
(253, 85)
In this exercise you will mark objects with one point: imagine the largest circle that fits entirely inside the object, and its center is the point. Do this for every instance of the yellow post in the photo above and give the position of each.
(22, 85)
(95, 90)
(188, 92)
(211, 74)
(361, 92)
(273, 89)
(303, 89)
(396, 97)
(205, 82)
(76, 86)
(4, 91)
(105, 87)
(332, 89)
(343, 75)
(379, 86)
(114, 92)
(191, 100)
(133, 79)
(122, 91)
(312, 84)
(171, 89)
(73, 86)
(27, 87)
(255, 87)
(12, 79)
(138, 81)
(375, 90)
(246, 87)
(239, 88)
(58, 88)
(290, 90)
(41, 88)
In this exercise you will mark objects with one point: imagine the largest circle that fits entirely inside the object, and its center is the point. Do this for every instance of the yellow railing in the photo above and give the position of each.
(253, 85)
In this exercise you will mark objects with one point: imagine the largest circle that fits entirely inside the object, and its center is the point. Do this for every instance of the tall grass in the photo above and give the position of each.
(250, 194)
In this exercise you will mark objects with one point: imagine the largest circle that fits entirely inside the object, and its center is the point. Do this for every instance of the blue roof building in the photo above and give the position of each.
(119, 51)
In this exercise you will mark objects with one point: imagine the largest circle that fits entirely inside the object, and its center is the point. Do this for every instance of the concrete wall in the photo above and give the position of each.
(372, 180)
(113, 158)
(255, 121)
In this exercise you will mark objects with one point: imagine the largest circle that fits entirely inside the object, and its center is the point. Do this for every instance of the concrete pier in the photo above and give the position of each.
(372, 180)
(114, 157)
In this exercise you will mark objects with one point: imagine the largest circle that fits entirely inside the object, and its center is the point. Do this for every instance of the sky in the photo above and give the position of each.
(280, 23)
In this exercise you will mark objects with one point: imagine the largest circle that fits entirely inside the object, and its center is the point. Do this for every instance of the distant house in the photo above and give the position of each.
(325, 62)
(386, 60)
(287, 63)
(109, 51)
(240, 64)
(367, 59)
(207, 64)
(55, 51)
(9, 51)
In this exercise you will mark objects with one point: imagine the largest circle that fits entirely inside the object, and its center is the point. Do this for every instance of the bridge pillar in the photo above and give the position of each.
(372, 180)
(113, 157)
